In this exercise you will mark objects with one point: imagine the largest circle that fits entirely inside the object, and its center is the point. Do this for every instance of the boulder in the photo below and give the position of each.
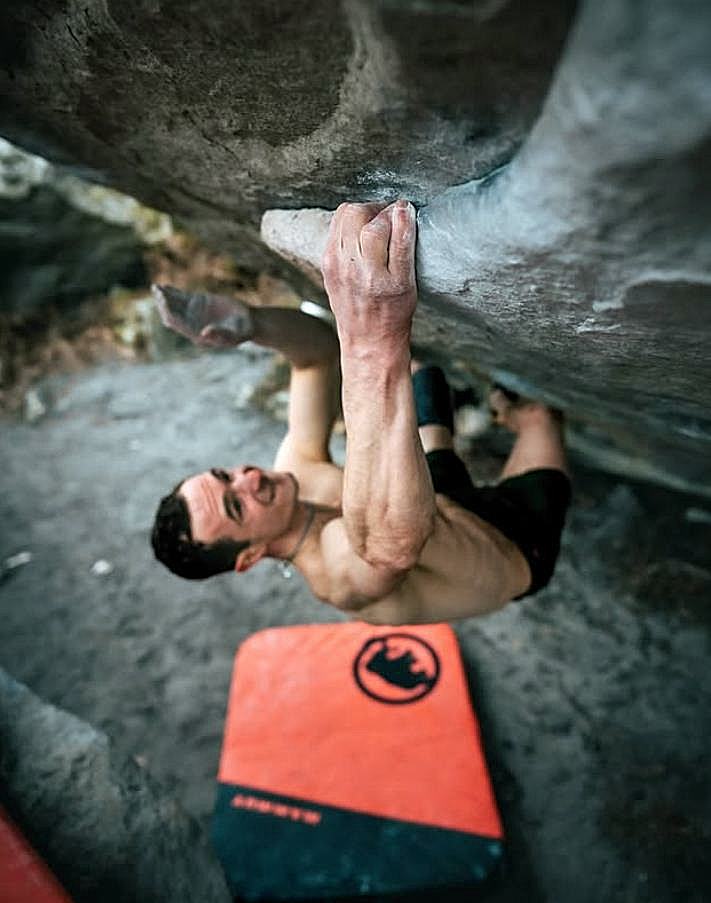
(558, 155)
(108, 831)
(217, 111)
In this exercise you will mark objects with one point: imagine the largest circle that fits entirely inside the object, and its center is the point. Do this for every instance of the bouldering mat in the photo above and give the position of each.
(352, 765)
(24, 878)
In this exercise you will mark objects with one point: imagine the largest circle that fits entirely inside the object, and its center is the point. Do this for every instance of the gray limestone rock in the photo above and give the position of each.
(580, 272)
(109, 832)
(571, 260)
(216, 111)
(587, 260)
(561, 170)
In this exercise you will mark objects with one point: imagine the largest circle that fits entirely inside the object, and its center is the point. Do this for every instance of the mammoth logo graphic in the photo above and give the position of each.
(396, 668)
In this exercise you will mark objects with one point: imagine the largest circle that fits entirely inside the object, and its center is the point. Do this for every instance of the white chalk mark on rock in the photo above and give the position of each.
(17, 560)
(34, 406)
(591, 325)
(600, 307)
(101, 568)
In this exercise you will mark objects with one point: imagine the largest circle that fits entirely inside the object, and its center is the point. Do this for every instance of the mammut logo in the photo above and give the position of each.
(281, 810)
(396, 668)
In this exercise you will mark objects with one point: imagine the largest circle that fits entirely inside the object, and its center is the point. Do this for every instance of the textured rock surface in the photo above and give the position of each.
(571, 260)
(106, 829)
(587, 261)
(218, 110)
(581, 271)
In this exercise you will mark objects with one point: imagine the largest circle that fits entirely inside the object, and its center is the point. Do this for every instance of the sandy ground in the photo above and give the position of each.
(594, 695)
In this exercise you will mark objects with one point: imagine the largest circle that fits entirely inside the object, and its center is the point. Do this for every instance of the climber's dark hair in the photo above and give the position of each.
(174, 546)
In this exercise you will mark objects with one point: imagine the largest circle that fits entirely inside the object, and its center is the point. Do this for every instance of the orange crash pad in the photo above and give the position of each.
(24, 878)
(352, 764)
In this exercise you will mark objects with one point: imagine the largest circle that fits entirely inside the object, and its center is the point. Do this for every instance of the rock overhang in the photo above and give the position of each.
(560, 170)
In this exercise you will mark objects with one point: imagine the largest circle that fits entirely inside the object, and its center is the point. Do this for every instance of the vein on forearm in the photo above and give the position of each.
(388, 500)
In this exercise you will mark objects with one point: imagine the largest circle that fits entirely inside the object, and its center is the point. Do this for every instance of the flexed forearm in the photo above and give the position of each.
(304, 340)
(388, 500)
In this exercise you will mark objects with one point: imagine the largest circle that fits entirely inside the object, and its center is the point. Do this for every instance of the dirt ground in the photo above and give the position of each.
(594, 695)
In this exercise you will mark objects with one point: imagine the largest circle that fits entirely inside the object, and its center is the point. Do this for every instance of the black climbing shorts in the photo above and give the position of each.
(529, 509)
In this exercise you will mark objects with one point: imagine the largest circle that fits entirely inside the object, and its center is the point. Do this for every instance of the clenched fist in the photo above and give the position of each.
(369, 273)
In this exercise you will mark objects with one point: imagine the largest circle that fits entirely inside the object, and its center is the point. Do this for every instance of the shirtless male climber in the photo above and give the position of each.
(400, 535)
